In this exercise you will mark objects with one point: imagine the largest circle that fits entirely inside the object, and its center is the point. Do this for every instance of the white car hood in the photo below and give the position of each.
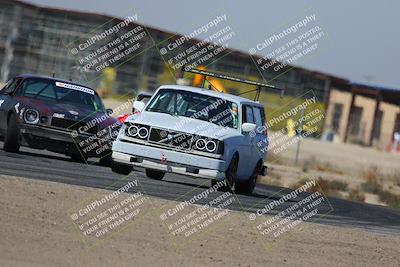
(183, 124)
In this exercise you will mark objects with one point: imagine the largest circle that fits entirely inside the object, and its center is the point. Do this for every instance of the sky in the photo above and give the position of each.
(364, 36)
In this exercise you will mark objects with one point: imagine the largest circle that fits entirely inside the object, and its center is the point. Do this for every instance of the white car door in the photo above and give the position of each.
(246, 155)
(259, 148)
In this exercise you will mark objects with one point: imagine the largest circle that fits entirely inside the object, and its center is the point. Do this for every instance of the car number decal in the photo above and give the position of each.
(75, 87)
(163, 158)
(59, 115)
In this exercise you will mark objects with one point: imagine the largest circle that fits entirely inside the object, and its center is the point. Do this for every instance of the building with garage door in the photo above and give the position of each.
(364, 113)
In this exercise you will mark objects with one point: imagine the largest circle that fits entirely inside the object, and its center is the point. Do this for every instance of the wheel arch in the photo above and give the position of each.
(10, 112)
(234, 153)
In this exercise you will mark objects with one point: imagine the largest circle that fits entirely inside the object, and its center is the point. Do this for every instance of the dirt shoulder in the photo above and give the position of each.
(359, 173)
(36, 230)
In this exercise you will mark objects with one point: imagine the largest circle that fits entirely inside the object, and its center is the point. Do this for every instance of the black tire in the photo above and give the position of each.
(105, 161)
(230, 175)
(248, 186)
(120, 168)
(12, 137)
(78, 158)
(154, 174)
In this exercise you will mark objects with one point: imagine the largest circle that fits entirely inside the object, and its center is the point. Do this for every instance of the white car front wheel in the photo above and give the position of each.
(230, 175)
(248, 186)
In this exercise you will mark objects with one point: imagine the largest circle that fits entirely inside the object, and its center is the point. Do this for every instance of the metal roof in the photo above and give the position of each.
(388, 94)
(374, 86)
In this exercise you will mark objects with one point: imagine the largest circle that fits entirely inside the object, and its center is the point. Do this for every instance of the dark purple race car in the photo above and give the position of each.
(57, 115)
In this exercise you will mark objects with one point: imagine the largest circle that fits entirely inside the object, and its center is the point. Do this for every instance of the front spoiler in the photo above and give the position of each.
(163, 159)
(52, 133)
(68, 141)
(171, 167)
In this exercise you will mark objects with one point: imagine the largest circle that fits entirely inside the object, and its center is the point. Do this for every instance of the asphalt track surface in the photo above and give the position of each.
(43, 165)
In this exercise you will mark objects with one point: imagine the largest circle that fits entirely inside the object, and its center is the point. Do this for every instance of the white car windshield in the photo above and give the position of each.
(197, 106)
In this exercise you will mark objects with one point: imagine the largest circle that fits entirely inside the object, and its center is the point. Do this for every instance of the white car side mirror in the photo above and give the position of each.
(138, 105)
(248, 127)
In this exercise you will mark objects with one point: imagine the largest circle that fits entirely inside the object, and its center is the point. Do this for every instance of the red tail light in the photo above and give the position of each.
(122, 118)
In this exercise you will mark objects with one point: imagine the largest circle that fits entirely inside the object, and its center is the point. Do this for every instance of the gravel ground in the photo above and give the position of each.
(37, 231)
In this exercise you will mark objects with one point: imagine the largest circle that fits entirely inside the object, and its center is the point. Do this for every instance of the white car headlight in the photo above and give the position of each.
(201, 144)
(138, 131)
(133, 130)
(31, 116)
(143, 132)
(211, 146)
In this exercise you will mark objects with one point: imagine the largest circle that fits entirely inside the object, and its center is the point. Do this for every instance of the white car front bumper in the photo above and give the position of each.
(140, 155)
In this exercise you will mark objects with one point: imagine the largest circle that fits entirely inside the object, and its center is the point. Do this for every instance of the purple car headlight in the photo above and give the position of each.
(31, 116)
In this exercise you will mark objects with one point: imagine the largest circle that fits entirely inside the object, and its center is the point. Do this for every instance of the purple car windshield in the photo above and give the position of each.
(49, 90)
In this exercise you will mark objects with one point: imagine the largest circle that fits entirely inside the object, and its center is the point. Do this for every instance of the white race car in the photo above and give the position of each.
(195, 132)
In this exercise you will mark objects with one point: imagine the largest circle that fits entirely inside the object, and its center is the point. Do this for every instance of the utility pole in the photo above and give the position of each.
(299, 136)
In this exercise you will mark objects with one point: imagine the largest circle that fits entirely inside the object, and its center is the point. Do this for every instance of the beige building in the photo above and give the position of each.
(365, 114)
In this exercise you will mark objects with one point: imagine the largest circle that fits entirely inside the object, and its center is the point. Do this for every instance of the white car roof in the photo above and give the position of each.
(229, 97)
